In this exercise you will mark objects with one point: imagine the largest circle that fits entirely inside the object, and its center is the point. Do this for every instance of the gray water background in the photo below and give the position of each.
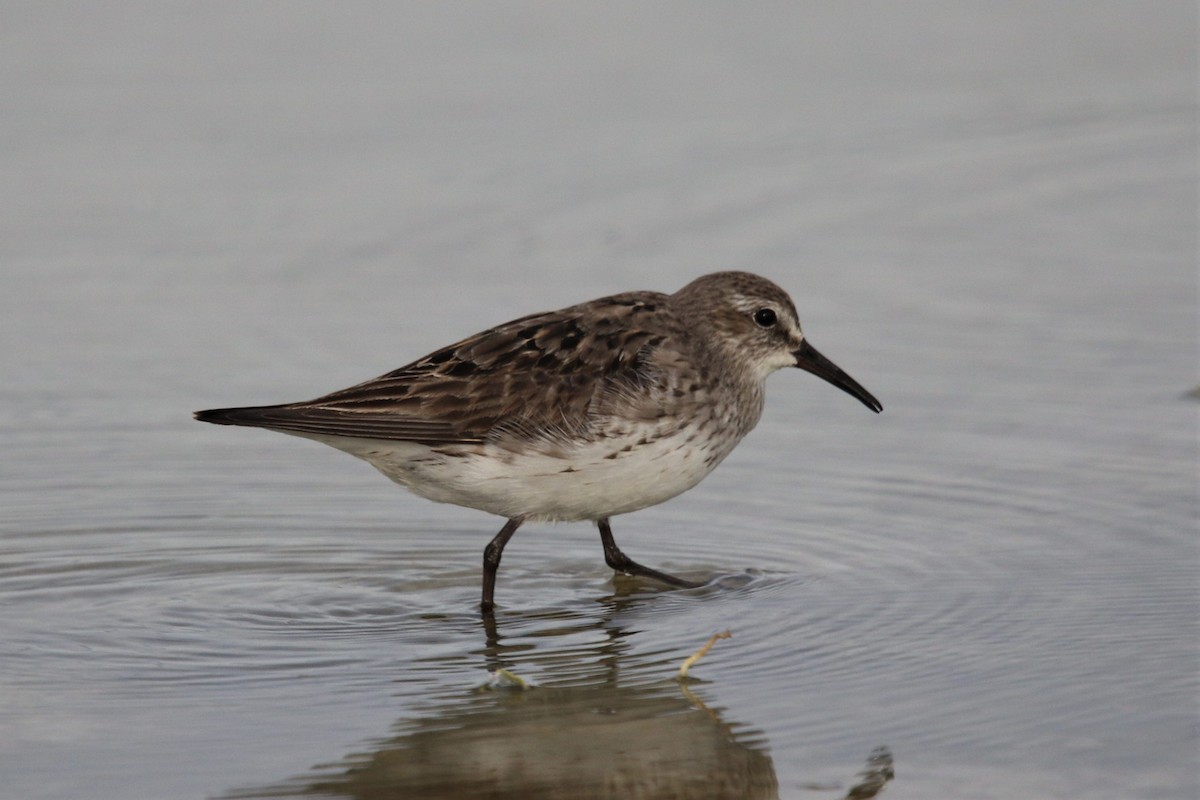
(985, 213)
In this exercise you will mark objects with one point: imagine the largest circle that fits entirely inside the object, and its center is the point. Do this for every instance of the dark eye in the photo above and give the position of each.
(765, 317)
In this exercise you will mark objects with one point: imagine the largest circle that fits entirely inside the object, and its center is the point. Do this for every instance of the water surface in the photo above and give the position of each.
(986, 216)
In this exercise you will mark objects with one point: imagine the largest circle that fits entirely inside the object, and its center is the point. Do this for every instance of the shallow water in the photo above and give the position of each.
(986, 217)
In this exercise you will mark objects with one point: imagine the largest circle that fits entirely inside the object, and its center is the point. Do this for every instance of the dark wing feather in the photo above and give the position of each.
(534, 376)
(301, 419)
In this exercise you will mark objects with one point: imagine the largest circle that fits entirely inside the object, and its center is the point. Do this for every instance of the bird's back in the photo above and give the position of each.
(543, 374)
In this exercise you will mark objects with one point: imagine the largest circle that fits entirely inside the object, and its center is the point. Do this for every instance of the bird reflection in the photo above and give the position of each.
(600, 739)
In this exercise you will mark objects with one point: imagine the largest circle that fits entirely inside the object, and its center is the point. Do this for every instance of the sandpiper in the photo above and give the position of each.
(595, 410)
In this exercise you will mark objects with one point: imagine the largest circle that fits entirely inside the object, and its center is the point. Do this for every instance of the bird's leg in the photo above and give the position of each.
(627, 566)
(491, 561)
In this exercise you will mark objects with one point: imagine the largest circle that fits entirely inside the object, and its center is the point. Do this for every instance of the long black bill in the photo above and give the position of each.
(808, 359)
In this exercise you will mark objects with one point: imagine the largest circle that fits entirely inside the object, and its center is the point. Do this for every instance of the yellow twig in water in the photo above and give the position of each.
(699, 654)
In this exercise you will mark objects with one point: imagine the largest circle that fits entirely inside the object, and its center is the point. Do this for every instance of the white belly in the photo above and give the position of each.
(587, 481)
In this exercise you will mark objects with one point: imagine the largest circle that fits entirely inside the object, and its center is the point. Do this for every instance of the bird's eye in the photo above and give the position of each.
(765, 317)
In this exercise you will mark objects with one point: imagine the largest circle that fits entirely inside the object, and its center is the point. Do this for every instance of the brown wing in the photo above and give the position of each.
(533, 377)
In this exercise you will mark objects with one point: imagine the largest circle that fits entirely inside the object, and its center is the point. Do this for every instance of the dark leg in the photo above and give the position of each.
(491, 561)
(627, 566)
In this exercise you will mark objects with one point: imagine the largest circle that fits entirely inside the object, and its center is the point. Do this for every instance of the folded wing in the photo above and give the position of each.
(538, 376)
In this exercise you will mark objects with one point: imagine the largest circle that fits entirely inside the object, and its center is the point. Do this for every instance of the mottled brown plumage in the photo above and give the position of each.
(594, 410)
(534, 376)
